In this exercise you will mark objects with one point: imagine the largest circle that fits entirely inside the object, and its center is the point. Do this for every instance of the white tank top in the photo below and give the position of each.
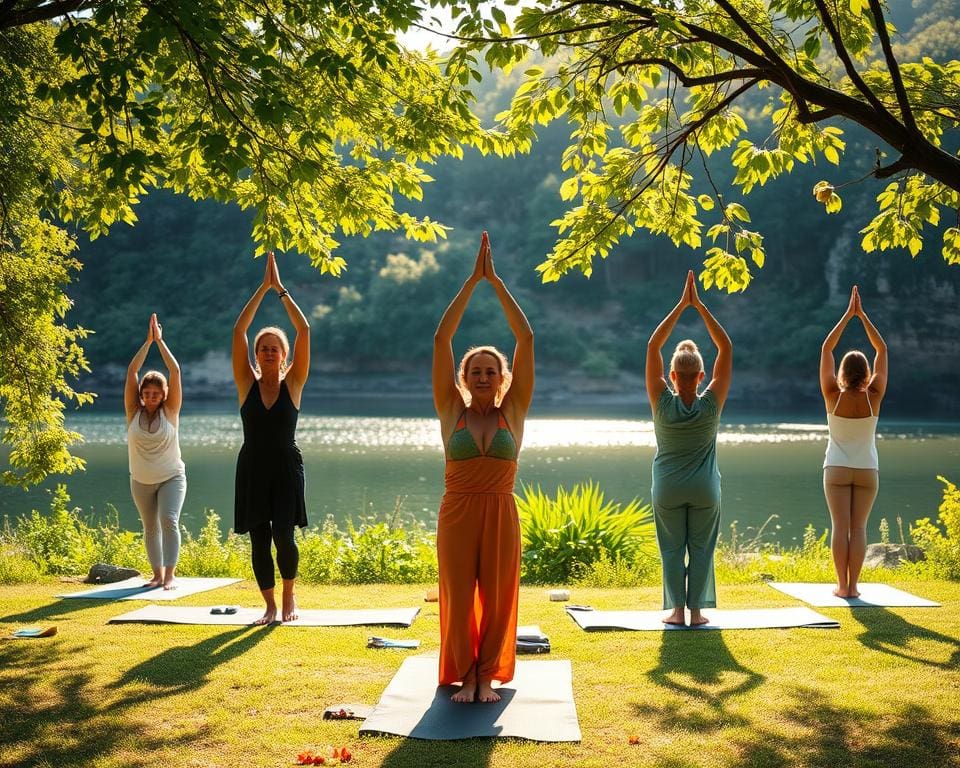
(154, 456)
(852, 442)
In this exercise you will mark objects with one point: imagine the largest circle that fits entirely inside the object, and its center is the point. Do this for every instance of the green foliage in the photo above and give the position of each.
(741, 561)
(941, 548)
(673, 80)
(309, 115)
(58, 542)
(608, 572)
(576, 528)
(211, 554)
(381, 553)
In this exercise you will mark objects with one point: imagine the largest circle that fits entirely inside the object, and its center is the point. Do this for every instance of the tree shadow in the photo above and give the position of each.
(700, 668)
(831, 735)
(890, 633)
(53, 610)
(66, 721)
(186, 667)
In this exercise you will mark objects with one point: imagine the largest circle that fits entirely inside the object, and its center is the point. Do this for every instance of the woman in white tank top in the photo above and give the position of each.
(852, 396)
(158, 481)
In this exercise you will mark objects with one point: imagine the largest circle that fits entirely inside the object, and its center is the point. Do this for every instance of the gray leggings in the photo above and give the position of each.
(159, 505)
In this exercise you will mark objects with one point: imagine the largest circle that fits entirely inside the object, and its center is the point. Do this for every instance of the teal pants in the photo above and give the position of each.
(687, 537)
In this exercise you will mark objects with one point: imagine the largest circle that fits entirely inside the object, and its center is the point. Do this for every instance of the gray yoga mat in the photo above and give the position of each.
(134, 589)
(754, 618)
(871, 596)
(537, 705)
(176, 614)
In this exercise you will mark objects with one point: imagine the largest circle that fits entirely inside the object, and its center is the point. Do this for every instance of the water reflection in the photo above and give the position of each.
(358, 433)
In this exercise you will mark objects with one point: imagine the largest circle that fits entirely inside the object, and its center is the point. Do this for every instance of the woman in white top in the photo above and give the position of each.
(157, 478)
(852, 396)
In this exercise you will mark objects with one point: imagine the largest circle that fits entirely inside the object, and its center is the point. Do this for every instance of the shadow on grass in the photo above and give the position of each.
(700, 668)
(418, 753)
(186, 667)
(831, 735)
(62, 717)
(890, 633)
(54, 610)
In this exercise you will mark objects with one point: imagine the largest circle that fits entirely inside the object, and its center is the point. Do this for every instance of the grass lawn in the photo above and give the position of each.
(883, 690)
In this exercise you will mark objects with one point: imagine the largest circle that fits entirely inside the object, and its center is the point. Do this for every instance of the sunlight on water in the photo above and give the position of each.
(355, 434)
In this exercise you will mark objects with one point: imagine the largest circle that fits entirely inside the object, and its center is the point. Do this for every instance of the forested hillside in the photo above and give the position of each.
(192, 264)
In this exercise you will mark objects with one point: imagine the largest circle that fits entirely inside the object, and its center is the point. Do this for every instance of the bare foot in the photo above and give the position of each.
(290, 607)
(269, 616)
(156, 581)
(289, 600)
(170, 582)
(485, 692)
(841, 592)
(697, 619)
(468, 689)
(676, 618)
(852, 591)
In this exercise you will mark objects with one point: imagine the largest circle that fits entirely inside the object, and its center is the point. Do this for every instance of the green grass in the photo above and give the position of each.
(881, 691)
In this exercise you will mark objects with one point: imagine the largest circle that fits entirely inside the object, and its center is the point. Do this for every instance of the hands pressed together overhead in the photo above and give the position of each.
(483, 267)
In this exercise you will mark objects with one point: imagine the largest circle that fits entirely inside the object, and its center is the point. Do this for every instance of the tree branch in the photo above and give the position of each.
(749, 73)
(51, 10)
(894, 67)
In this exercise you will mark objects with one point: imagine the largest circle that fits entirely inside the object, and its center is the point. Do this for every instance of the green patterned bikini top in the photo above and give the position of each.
(462, 446)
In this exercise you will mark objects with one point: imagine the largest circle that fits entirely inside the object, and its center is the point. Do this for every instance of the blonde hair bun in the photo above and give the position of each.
(686, 358)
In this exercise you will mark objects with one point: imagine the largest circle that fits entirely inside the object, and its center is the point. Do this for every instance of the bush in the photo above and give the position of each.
(209, 554)
(59, 542)
(380, 553)
(16, 567)
(942, 549)
(576, 528)
(606, 572)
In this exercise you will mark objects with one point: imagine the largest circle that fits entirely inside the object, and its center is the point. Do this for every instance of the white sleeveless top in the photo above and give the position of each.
(852, 442)
(154, 456)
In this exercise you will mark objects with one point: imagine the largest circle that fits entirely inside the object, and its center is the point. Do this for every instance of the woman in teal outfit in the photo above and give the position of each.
(686, 480)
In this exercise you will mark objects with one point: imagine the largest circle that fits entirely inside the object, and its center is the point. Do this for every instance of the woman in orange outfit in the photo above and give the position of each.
(482, 408)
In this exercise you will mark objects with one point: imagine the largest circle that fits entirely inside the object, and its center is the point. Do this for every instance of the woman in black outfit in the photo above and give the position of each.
(269, 500)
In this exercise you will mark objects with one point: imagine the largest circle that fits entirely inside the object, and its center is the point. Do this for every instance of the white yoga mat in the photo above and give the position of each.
(754, 618)
(177, 614)
(537, 705)
(871, 596)
(134, 589)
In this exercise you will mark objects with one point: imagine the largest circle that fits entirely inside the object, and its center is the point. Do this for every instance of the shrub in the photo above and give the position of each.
(16, 567)
(942, 549)
(319, 552)
(574, 529)
(380, 553)
(59, 542)
(605, 572)
(209, 554)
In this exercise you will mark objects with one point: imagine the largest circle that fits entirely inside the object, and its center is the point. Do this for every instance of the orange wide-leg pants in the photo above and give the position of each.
(478, 552)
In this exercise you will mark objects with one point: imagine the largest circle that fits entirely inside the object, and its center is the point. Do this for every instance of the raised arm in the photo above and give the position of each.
(131, 387)
(243, 375)
(174, 385)
(516, 403)
(300, 364)
(878, 382)
(723, 365)
(655, 377)
(446, 396)
(828, 367)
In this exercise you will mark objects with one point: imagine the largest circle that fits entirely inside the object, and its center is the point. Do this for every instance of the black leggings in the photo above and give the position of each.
(288, 556)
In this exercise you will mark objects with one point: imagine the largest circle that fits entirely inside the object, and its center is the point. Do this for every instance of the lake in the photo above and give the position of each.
(364, 464)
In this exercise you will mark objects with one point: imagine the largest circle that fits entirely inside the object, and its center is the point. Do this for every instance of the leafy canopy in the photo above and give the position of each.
(669, 78)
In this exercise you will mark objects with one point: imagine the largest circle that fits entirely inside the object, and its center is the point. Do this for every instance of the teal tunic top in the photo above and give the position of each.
(685, 466)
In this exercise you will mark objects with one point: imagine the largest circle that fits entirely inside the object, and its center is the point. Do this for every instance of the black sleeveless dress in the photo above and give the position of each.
(270, 483)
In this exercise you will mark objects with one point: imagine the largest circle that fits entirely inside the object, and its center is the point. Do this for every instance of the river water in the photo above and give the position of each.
(361, 465)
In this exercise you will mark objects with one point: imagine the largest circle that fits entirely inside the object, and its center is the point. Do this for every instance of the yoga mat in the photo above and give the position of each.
(537, 705)
(871, 596)
(176, 614)
(754, 618)
(134, 589)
